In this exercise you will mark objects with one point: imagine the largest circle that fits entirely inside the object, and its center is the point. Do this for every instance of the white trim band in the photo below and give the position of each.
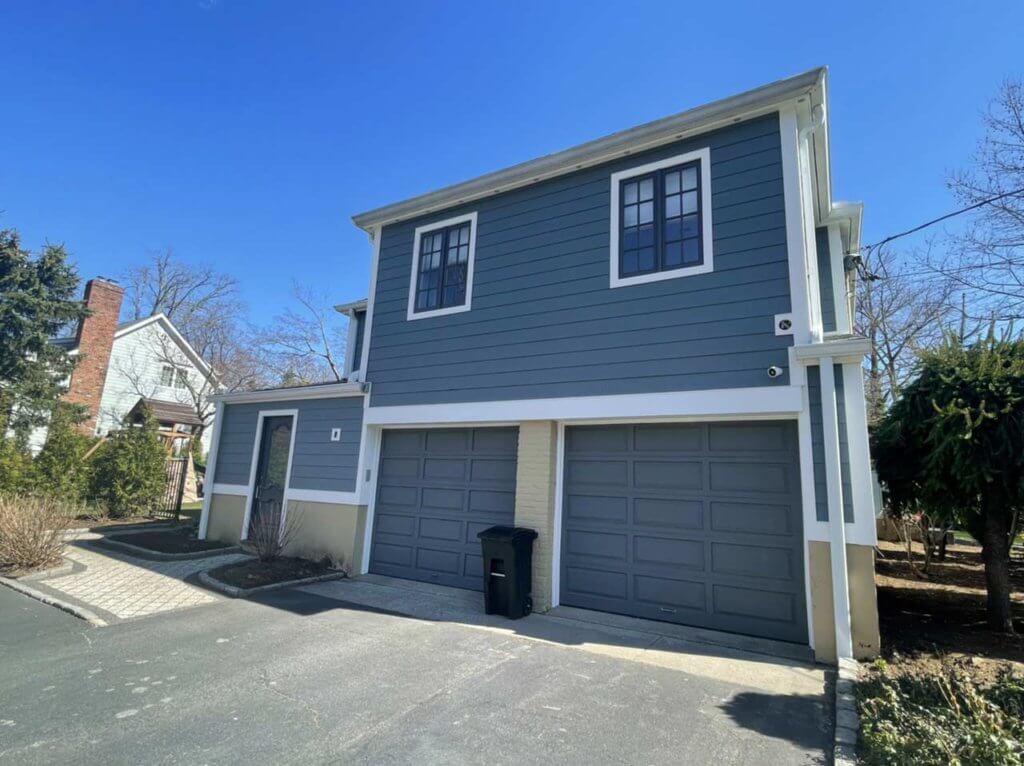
(230, 489)
(724, 402)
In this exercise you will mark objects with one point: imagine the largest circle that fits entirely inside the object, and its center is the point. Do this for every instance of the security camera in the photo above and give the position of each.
(774, 372)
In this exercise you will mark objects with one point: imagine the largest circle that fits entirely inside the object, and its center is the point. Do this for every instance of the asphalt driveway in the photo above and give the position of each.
(301, 676)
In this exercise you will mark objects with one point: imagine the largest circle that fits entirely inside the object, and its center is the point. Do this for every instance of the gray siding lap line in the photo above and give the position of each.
(318, 463)
(545, 322)
(818, 444)
(825, 286)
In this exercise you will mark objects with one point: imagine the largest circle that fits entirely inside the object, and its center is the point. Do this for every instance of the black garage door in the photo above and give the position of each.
(698, 524)
(436, 489)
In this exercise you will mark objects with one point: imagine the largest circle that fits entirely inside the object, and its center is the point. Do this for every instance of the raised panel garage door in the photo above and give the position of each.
(698, 524)
(437, 488)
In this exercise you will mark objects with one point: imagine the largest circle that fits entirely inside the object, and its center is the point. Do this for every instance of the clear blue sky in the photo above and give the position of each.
(246, 134)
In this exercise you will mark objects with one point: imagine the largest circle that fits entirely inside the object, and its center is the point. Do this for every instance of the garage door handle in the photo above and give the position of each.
(666, 609)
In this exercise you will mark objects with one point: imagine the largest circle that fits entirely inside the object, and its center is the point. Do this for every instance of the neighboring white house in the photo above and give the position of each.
(122, 362)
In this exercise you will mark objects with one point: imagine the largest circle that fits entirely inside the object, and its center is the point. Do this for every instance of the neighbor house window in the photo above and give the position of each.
(661, 220)
(173, 378)
(442, 275)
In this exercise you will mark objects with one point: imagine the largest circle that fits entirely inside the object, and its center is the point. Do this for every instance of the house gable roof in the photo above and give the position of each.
(125, 328)
(692, 121)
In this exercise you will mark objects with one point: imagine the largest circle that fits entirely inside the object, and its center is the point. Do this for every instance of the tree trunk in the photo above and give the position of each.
(995, 551)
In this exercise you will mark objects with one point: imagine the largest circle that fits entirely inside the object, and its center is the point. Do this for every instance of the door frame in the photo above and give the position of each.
(254, 464)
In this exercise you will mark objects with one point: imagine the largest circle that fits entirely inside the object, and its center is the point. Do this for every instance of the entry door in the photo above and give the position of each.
(271, 474)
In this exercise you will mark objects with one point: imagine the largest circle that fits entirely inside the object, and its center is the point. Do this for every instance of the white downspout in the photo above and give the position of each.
(836, 522)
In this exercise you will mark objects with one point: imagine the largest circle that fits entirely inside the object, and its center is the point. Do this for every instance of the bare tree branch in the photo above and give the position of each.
(305, 344)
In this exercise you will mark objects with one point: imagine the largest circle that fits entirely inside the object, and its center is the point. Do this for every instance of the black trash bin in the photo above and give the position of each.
(508, 564)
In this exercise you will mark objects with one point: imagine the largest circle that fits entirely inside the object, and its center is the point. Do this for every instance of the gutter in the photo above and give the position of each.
(700, 119)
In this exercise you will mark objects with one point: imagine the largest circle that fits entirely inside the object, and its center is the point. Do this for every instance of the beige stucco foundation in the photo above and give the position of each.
(225, 520)
(326, 529)
(860, 565)
(535, 500)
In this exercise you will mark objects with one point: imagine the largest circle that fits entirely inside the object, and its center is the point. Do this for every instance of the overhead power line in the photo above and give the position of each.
(941, 218)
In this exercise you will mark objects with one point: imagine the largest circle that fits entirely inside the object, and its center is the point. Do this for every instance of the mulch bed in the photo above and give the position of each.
(943, 614)
(180, 540)
(254, 573)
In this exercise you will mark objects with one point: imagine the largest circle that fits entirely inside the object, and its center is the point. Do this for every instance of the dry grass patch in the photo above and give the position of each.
(926, 619)
(30, 534)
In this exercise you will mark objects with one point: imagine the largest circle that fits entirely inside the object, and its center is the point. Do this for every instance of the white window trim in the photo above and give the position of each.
(707, 230)
(414, 270)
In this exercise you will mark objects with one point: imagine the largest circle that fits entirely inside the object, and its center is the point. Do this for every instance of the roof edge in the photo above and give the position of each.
(352, 306)
(647, 135)
(295, 393)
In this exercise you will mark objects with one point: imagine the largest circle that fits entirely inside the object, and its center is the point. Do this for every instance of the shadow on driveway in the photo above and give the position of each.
(788, 717)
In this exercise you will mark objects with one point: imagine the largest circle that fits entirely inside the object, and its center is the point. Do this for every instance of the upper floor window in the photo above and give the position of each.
(173, 378)
(442, 267)
(661, 220)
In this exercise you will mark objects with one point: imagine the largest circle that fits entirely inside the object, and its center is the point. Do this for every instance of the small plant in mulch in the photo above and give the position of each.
(940, 715)
(268, 538)
(178, 540)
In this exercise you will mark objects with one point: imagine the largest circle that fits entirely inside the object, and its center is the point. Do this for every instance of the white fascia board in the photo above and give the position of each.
(752, 103)
(732, 403)
(331, 391)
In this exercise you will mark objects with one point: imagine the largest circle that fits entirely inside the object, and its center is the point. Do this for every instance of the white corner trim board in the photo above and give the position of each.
(376, 235)
(414, 267)
(727, 402)
(836, 521)
(795, 231)
(707, 230)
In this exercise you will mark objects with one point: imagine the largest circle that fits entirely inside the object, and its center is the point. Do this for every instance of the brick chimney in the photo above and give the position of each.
(95, 339)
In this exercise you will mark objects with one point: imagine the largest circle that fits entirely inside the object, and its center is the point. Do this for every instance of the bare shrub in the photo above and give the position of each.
(269, 537)
(30, 533)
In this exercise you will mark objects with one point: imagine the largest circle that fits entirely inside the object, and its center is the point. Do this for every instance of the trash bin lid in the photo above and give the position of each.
(508, 534)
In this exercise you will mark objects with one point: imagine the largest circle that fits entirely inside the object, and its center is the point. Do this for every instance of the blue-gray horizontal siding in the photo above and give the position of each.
(318, 463)
(825, 286)
(818, 444)
(544, 321)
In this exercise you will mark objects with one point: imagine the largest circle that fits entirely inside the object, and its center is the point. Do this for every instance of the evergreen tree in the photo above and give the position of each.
(60, 468)
(953, 444)
(37, 300)
(129, 473)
